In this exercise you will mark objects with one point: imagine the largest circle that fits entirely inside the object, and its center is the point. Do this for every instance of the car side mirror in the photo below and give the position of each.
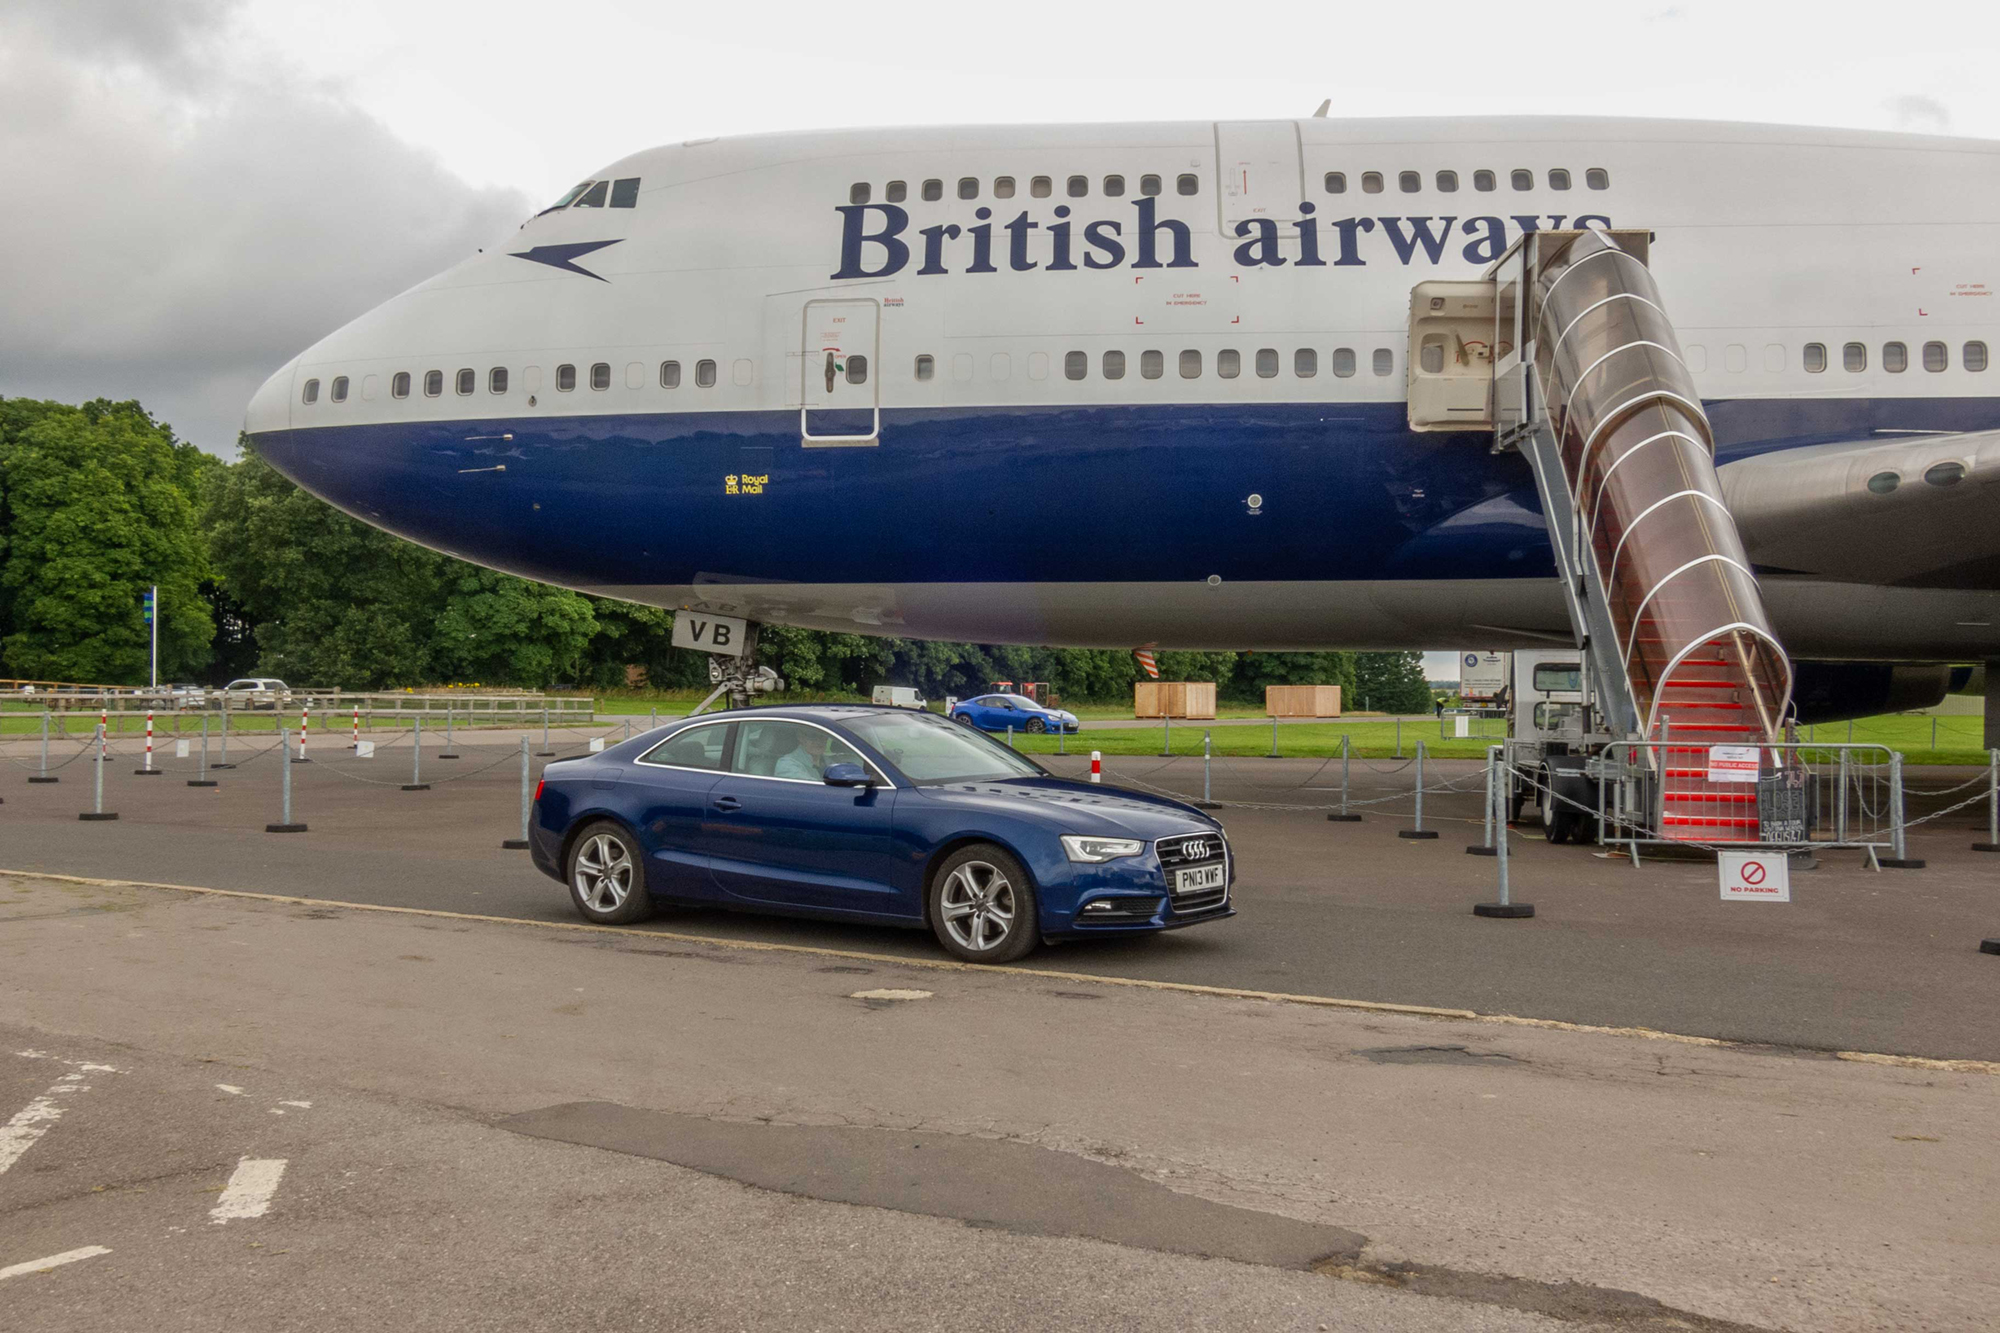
(847, 775)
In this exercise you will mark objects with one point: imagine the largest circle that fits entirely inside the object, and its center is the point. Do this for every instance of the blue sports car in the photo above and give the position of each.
(1011, 712)
(872, 814)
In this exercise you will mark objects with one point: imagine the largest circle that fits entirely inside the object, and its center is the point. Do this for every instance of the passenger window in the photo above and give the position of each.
(399, 384)
(1972, 356)
(433, 383)
(1041, 187)
(1187, 183)
(791, 750)
(704, 374)
(1934, 357)
(1385, 361)
(1597, 178)
(340, 388)
(1267, 363)
(961, 367)
(1558, 179)
(1114, 187)
(594, 196)
(1336, 182)
(1854, 357)
(670, 374)
(1149, 185)
(1152, 365)
(1409, 182)
(600, 376)
(933, 190)
(1114, 365)
(1945, 474)
(1885, 483)
(625, 193)
(1482, 180)
(1735, 358)
(1038, 365)
(857, 368)
(311, 392)
(926, 368)
(1695, 357)
(697, 747)
(1229, 363)
(1895, 358)
(1003, 187)
(1190, 365)
(1430, 357)
(1815, 358)
(1371, 182)
(968, 187)
(1522, 179)
(896, 191)
(1447, 181)
(1076, 365)
(468, 380)
(565, 378)
(1001, 366)
(1342, 361)
(1078, 187)
(496, 380)
(1305, 363)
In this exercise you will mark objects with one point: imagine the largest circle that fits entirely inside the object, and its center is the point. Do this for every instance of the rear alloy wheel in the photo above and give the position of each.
(983, 907)
(1037, 726)
(966, 718)
(607, 876)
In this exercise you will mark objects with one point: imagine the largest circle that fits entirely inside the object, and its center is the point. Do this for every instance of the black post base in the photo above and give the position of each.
(1977, 846)
(213, 767)
(1504, 911)
(446, 756)
(1989, 946)
(1343, 819)
(147, 772)
(96, 816)
(545, 754)
(42, 779)
(201, 782)
(416, 786)
(1207, 805)
(1477, 850)
(514, 845)
(1422, 833)
(284, 828)
(1900, 862)
(297, 760)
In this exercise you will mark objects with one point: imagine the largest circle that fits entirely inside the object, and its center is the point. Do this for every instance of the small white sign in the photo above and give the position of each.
(1754, 877)
(1733, 763)
(596, 744)
(180, 749)
(1458, 727)
(710, 634)
(364, 749)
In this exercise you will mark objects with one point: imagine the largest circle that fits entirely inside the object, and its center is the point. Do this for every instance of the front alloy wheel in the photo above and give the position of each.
(1037, 726)
(606, 877)
(983, 907)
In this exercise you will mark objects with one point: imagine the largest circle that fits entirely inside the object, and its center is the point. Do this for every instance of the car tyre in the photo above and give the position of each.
(965, 718)
(982, 905)
(1036, 726)
(607, 876)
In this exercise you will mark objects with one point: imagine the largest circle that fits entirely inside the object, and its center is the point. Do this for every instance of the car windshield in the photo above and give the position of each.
(926, 748)
(1021, 701)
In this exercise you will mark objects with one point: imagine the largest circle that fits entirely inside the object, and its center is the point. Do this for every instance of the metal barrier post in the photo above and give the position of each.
(1167, 745)
(449, 753)
(97, 813)
(1485, 848)
(1346, 752)
(1207, 801)
(1504, 908)
(520, 844)
(416, 782)
(223, 761)
(1399, 738)
(1840, 804)
(546, 751)
(201, 778)
(1062, 739)
(655, 711)
(1419, 832)
(285, 824)
(1992, 843)
(1900, 858)
(1010, 736)
(44, 775)
(1274, 736)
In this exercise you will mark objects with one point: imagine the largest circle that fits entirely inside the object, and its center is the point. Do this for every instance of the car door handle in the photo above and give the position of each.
(727, 804)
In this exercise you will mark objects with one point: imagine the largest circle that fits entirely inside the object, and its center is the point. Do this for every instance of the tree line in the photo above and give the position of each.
(99, 502)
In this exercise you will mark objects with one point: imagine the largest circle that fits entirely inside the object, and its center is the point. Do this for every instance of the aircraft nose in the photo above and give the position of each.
(271, 406)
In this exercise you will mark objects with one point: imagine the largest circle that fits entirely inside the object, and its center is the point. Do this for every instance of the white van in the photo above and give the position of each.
(898, 696)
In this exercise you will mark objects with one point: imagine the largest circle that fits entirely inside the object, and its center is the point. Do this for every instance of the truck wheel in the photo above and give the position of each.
(1557, 822)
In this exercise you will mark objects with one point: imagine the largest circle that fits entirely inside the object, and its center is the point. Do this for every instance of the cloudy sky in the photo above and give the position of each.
(197, 189)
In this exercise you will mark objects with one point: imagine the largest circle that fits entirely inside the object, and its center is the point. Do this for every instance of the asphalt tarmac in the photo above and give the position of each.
(1860, 960)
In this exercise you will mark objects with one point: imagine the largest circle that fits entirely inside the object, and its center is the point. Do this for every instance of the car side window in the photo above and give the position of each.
(697, 747)
(778, 749)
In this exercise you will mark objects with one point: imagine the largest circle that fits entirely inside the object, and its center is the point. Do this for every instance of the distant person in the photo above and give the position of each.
(807, 761)
(1438, 704)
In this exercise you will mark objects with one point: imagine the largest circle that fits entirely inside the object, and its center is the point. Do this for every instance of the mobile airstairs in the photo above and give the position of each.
(1583, 375)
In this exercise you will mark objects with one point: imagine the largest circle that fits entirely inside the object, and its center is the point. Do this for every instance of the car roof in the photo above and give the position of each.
(802, 712)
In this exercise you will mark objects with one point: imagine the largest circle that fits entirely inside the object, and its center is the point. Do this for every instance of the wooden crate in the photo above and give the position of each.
(1302, 701)
(1173, 698)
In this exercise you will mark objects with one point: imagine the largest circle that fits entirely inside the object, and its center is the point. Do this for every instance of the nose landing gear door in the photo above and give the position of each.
(841, 385)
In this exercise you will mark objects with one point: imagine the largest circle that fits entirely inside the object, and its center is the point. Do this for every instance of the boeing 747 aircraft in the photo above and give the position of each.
(1222, 385)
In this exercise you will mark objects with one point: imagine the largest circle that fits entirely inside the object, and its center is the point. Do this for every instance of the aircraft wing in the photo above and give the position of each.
(1913, 511)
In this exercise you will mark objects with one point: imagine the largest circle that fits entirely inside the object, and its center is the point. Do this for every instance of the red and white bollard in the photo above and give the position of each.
(103, 726)
(305, 716)
(357, 726)
(1096, 766)
(148, 770)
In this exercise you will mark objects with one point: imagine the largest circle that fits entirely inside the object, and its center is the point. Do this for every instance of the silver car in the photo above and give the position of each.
(256, 692)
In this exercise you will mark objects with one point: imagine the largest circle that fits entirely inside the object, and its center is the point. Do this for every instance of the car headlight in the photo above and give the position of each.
(1095, 850)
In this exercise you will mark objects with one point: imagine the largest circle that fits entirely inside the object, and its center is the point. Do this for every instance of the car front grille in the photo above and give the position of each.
(1186, 852)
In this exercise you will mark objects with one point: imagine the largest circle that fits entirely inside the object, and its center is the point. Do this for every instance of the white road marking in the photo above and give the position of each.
(231, 1089)
(33, 1120)
(303, 1106)
(84, 1065)
(250, 1188)
(890, 993)
(53, 1261)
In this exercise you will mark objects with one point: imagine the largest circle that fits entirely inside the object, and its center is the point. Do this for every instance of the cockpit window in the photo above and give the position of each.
(594, 196)
(625, 192)
(570, 197)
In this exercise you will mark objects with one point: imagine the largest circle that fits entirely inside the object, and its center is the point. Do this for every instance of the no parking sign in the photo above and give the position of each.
(1754, 877)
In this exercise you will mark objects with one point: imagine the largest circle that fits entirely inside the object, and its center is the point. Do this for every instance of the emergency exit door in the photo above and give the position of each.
(841, 381)
(1259, 171)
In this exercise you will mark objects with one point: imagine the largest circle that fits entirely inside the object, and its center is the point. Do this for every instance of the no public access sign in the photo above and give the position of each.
(1754, 877)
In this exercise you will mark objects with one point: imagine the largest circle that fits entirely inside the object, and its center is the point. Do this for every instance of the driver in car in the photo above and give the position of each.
(807, 761)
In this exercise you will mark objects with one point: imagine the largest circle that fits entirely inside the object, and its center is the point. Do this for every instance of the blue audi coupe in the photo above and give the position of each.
(880, 815)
